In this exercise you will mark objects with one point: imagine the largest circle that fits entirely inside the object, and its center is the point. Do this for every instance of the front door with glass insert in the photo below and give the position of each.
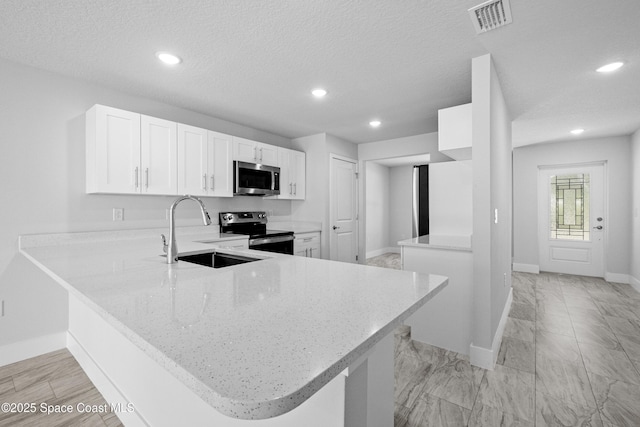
(571, 221)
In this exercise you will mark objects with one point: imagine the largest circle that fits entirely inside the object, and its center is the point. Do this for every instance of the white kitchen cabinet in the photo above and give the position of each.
(204, 162)
(292, 174)
(246, 150)
(220, 164)
(129, 153)
(158, 164)
(307, 244)
(454, 132)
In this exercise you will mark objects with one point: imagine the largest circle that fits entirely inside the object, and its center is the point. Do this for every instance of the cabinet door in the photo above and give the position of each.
(267, 154)
(314, 251)
(297, 167)
(286, 184)
(159, 150)
(301, 251)
(307, 244)
(113, 150)
(192, 160)
(245, 150)
(220, 160)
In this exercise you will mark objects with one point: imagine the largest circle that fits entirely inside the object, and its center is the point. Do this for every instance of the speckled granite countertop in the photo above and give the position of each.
(253, 340)
(439, 241)
(295, 226)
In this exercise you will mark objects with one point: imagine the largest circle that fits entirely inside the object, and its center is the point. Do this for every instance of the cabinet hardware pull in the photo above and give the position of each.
(291, 189)
(308, 239)
(306, 252)
(295, 188)
(146, 178)
(135, 177)
(211, 183)
(255, 153)
(204, 181)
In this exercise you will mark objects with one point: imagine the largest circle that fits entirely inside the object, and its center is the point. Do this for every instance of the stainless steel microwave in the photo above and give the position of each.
(251, 179)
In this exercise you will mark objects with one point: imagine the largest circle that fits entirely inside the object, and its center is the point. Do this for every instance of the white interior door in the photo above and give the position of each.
(343, 239)
(571, 222)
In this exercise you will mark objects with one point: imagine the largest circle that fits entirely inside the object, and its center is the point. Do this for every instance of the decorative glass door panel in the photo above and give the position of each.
(569, 206)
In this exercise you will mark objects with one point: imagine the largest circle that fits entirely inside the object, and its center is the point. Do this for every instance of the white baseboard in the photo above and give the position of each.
(616, 277)
(526, 268)
(635, 283)
(27, 349)
(378, 252)
(484, 357)
(101, 381)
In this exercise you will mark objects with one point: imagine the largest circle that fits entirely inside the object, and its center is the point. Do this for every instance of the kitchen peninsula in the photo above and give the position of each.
(281, 341)
(448, 323)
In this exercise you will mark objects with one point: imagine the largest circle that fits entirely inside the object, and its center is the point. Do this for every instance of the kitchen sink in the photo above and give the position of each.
(217, 259)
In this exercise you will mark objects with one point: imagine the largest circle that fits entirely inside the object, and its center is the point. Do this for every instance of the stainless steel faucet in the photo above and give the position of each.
(172, 249)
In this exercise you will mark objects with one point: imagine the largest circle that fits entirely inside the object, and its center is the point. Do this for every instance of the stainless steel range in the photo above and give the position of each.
(254, 224)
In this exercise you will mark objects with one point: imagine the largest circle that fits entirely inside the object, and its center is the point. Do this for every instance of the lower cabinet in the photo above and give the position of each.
(307, 244)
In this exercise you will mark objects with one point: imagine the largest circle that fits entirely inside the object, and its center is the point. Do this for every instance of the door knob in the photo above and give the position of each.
(599, 227)
(335, 227)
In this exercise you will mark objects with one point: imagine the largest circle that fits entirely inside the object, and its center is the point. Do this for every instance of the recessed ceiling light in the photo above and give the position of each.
(577, 131)
(610, 67)
(319, 93)
(168, 58)
(375, 123)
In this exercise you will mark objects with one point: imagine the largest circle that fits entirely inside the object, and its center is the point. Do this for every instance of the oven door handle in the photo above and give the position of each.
(267, 240)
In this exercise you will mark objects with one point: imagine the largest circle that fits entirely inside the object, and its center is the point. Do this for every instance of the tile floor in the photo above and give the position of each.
(388, 260)
(570, 356)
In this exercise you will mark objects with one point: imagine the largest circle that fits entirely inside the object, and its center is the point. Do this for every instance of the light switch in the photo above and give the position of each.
(495, 216)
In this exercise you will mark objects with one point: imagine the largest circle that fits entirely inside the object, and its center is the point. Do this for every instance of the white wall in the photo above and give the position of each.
(451, 198)
(391, 148)
(377, 205)
(401, 204)
(402, 147)
(616, 152)
(42, 163)
(316, 206)
(492, 187)
(635, 205)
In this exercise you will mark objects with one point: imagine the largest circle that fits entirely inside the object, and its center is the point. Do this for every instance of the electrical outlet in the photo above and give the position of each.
(505, 279)
(118, 214)
(495, 216)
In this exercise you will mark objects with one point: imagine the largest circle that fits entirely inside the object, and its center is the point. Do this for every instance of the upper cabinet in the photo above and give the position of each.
(204, 162)
(158, 144)
(292, 174)
(129, 153)
(246, 150)
(454, 132)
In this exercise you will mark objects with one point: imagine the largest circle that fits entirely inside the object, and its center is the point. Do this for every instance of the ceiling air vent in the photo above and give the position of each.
(490, 15)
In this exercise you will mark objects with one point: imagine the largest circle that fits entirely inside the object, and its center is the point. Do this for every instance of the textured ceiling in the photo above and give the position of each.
(254, 62)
